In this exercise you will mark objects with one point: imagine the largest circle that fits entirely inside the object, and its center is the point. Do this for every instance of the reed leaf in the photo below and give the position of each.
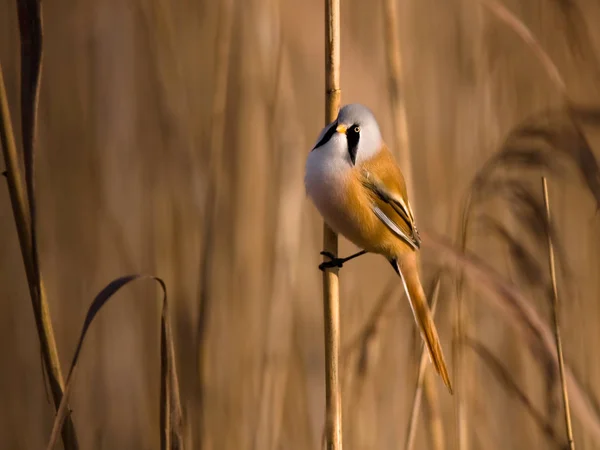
(171, 416)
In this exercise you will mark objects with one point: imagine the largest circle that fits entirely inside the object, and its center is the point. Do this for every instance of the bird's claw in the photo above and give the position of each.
(328, 254)
(335, 262)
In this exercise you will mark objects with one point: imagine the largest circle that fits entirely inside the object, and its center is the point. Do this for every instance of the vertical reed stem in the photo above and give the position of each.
(403, 150)
(395, 85)
(331, 292)
(38, 298)
(437, 440)
(416, 405)
(559, 350)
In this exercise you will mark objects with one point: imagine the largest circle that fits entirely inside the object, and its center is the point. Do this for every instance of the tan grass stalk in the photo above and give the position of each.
(331, 288)
(395, 85)
(437, 439)
(31, 35)
(559, 349)
(513, 22)
(416, 405)
(221, 65)
(280, 326)
(460, 408)
(38, 297)
(402, 148)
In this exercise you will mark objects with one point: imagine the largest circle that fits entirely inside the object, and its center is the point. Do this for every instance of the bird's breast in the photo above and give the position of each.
(337, 194)
(326, 182)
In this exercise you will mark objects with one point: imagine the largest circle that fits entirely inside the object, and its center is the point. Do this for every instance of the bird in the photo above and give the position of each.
(354, 182)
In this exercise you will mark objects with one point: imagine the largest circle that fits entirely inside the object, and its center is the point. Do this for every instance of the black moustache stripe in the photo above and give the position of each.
(327, 136)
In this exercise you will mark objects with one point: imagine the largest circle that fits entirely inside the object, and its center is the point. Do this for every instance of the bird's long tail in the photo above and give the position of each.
(408, 271)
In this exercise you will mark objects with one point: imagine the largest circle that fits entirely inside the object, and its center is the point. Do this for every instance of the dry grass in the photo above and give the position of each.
(171, 416)
(23, 203)
(557, 333)
(30, 21)
(171, 139)
(421, 385)
(529, 146)
(397, 86)
(331, 289)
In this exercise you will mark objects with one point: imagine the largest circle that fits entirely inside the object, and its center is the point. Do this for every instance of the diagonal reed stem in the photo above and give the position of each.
(396, 87)
(559, 349)
(38, 298)
(331, 288)
(416, 405)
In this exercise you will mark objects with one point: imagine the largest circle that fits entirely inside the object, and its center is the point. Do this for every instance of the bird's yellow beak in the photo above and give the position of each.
(341, 129)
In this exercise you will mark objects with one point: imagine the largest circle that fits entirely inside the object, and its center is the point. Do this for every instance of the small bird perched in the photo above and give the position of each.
(353, 180)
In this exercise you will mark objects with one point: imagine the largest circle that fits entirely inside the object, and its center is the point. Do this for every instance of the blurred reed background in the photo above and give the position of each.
(172, 139)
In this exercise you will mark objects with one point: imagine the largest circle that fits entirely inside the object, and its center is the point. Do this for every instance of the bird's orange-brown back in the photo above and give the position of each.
(384, 167)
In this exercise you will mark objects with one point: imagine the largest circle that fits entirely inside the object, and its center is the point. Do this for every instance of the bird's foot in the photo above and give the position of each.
(334, 262)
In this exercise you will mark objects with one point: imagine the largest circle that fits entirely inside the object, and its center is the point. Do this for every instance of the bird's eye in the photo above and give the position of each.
(357, 129)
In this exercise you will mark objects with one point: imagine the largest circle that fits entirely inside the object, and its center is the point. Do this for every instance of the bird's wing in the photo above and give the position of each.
(385, 184)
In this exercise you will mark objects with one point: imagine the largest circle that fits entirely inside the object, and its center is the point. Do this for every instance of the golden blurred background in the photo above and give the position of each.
(172, 140)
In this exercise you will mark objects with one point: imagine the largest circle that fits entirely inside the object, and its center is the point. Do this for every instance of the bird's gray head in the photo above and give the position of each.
(353, 135)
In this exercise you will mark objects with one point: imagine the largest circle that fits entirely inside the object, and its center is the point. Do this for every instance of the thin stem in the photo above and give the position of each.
(460, 323)
(559, 350)
(331, 289)
(221, 65)
(279, 336)
(38, 297)
(437, 439)
(416, 405)
(395, 85)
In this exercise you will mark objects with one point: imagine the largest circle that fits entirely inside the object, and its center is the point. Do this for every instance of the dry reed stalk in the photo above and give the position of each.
(437, 439)
(506, 16)
(416, 405)
(279, 335)
(171, 415)
(223, 41)
(31, 36)
(559, 349)
(463, 306)
(552, 131)
(395, 85)
(221, 67)
(401, 140)
(460, 318)
(24, 232)
(331, 287)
